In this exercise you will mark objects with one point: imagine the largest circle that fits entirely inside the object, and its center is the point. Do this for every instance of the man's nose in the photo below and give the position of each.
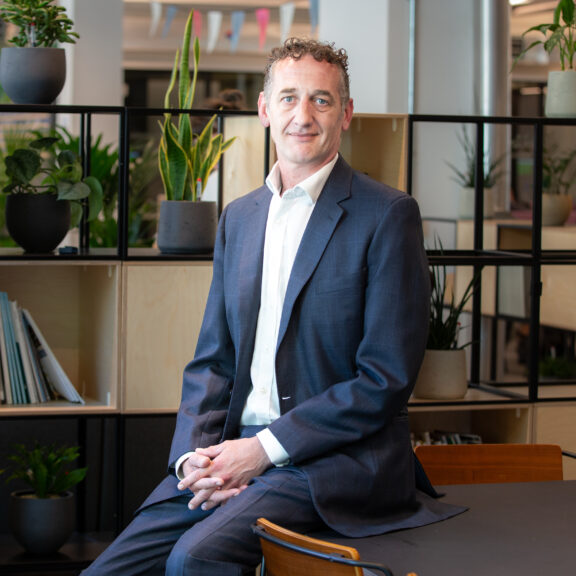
(303, 114)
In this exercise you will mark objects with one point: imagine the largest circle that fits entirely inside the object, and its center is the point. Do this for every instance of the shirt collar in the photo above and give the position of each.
(312, 185)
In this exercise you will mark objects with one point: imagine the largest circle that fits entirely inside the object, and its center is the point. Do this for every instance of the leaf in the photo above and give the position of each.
(176, 164)
(23, 165)
(95, 198)
(184, 73)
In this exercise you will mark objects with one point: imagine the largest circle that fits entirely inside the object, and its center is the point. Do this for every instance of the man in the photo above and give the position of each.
(294, 407)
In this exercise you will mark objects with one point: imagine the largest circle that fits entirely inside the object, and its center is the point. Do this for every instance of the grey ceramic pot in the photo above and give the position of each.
(186, 227)
(32, 75)
(42, 525)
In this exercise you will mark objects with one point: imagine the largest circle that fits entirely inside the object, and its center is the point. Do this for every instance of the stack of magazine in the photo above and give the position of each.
(29, 373)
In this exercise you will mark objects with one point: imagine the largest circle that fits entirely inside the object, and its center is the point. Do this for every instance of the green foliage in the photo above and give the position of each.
(467, 177)
(186, 159)
(558, 170)
(40, 169)
(561, 368)
(560, 34)
(41, 23)
(46, 469)
(445, 312)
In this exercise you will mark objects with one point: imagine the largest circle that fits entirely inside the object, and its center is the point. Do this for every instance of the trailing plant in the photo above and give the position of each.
(186, 159)
(560, 34)
(104, 165)
(46, 469)
(467, 177)
(445, 311)
(40, 169)
(41, 23)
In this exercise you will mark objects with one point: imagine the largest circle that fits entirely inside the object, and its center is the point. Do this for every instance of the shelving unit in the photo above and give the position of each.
(124, 321)
(526, 276)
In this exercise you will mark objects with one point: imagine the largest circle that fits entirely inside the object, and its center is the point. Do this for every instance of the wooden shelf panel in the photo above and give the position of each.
(162, 312)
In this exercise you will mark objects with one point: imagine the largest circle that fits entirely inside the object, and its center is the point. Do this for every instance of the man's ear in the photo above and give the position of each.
(263, 110)
(348, 113)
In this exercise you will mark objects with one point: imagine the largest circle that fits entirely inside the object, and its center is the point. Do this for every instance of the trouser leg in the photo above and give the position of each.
(167, 538)
(223, 544)
(144, 545)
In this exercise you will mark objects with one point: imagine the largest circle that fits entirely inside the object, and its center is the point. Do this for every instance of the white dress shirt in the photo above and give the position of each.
(288, 217)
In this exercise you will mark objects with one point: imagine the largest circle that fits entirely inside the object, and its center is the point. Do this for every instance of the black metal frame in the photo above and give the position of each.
(479, 257)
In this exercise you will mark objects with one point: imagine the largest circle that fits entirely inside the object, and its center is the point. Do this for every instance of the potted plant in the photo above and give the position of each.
(42, 516)
(443, 372)
(558, 174)
(33, 71)
(466, 178)
(186, 224)
(46, 194)
(559, 35)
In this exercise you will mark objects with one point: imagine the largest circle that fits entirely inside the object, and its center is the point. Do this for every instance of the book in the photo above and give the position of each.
(14, 369)
(42, 389)
(29, 387)
(52, 369)
(7, 393)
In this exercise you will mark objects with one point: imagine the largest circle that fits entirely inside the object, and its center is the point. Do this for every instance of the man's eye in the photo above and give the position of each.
(288, 99)
(322, 101)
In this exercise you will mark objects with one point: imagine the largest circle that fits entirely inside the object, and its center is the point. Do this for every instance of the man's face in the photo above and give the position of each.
(305, 113)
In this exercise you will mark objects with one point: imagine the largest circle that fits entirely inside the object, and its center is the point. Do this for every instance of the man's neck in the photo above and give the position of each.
(291, 176)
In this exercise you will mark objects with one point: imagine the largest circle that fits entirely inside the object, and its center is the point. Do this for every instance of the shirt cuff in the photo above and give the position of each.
(179, 463)
(274, 450)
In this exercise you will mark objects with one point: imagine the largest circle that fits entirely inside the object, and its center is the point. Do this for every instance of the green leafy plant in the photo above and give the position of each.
(560, 34)
(45, 469)
(467, 177)
(186, 159)
(40, 169)
(41, 23)
(558, 171)
(445, 311)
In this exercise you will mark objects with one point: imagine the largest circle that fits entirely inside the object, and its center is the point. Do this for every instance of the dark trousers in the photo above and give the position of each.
(168, 538)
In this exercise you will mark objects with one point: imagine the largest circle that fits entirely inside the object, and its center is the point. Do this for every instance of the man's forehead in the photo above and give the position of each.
(290, 69)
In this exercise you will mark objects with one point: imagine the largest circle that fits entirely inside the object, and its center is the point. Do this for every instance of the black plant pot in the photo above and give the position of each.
(42, 525)
(37, 222)
(186, 227)
(32, 75)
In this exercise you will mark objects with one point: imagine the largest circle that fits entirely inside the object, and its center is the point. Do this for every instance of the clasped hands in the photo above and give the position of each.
(218, 473)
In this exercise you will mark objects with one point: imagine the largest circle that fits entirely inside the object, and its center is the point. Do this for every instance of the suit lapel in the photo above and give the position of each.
(319, 231)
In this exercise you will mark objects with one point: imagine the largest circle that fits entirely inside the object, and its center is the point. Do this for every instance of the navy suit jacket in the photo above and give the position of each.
(352, 337)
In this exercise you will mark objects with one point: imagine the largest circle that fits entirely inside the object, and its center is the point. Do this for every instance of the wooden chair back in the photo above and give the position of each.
(288, 553)
(485, 463)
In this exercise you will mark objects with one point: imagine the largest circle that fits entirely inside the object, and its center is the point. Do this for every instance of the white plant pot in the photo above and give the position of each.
(561, 94)
(442, 375)
(556, 209)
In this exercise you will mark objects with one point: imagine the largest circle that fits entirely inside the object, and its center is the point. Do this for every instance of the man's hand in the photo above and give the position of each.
(217, 473)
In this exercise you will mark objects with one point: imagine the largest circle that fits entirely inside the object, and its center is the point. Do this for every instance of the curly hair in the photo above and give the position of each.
(297, 48)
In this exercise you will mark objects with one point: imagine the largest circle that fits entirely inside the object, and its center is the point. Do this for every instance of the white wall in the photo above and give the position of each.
(374, 33)
(94, 64)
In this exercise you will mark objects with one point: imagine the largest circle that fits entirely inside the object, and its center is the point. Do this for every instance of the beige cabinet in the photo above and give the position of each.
(162, 310)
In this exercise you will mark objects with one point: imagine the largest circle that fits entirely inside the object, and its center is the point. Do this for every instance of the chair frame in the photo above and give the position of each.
(261, 532)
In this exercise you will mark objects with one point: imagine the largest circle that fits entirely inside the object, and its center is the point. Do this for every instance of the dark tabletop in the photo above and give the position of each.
(516, 529)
